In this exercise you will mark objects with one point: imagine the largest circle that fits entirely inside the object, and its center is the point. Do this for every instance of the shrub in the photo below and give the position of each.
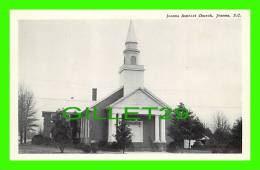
(105, 146)
(46, 140)
(172, 147)
(114, 146)
(131, 147)
(37, 140)
(78, 146)
(86, 148)
(93, 146)
(102, 145)
(198, 145)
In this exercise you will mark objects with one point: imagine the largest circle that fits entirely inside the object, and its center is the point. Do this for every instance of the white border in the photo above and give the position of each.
(16, 15)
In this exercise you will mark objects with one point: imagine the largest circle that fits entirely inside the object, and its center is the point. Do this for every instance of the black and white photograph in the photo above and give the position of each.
(130, 84)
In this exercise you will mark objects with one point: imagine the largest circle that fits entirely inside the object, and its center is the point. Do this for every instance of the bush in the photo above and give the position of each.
(86, 148)
(93, 146)
(37, 140)
(198, 145)
(102, 145)
(46, 140)
(76, 141)
(172, 147)
(131, 147)
(105, 146)
(78, 146)
(61, 140)
(113, 146)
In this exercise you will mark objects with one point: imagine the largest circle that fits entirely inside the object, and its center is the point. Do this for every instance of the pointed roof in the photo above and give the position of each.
(131, 33)
(144, 91)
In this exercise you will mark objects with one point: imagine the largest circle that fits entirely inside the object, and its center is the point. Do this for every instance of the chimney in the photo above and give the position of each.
(94, 94)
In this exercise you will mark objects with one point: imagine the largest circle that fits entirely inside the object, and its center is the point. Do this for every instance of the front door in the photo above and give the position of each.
(137, 130)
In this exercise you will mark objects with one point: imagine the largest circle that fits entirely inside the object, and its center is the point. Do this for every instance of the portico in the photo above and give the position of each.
(159, 129)
(142, 115)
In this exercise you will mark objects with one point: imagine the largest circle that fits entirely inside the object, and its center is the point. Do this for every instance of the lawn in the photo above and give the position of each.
(47, 149)
(29, 148)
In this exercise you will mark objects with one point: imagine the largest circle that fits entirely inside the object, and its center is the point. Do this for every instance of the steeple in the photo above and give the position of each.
(131, 33)
(131, 51)
(131, 72)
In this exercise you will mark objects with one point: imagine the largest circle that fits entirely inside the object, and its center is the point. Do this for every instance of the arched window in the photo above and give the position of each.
(133, 60)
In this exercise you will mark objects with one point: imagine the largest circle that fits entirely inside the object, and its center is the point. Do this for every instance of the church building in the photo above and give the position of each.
(146, 134)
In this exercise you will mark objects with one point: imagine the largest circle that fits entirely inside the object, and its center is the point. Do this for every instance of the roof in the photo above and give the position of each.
(144, 91)
(107, 97)
(131, 33)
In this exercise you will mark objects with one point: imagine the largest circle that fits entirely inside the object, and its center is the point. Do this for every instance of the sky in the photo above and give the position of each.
(197, 62)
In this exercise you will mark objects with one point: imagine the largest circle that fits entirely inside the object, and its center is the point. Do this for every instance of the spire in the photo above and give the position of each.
(131, 51)
(131, 33)
(131, 72)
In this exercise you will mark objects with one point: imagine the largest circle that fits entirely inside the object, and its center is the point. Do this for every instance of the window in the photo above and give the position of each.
(133, 60)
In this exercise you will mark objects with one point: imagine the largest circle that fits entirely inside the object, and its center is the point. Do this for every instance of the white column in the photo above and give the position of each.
(111, 129)
(88, 127)
(86, 130)
(157, 129)
(163, 139)
(81, 130)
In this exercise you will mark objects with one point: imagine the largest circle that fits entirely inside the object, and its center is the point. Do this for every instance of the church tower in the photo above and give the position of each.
(131, 73)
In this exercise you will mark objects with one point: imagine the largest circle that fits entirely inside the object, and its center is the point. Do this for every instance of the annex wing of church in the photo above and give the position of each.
(146, 133)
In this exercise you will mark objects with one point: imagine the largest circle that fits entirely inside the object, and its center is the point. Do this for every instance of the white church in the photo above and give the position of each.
(146, 134)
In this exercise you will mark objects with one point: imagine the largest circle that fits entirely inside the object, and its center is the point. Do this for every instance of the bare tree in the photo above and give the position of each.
(220, 122)
(27, 113)
(221, 133)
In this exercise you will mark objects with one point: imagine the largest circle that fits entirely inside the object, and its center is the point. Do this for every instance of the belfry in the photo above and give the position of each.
(131, 72)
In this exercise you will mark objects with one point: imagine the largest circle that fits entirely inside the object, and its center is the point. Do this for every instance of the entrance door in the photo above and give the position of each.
(137, 130)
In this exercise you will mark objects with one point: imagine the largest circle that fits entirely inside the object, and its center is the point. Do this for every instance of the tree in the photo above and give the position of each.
(221, 122)
(208, 132)
(185, 125)
(123, 135)
(26, 113)
(222, 133)
(61, 132)
(236, 136)
(75, 129)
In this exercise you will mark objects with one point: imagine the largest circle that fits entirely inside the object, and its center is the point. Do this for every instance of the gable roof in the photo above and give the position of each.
(115, 94)
(146, 92)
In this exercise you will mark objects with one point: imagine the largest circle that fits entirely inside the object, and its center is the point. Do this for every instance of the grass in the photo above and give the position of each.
(29, 148)
(47, 149)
